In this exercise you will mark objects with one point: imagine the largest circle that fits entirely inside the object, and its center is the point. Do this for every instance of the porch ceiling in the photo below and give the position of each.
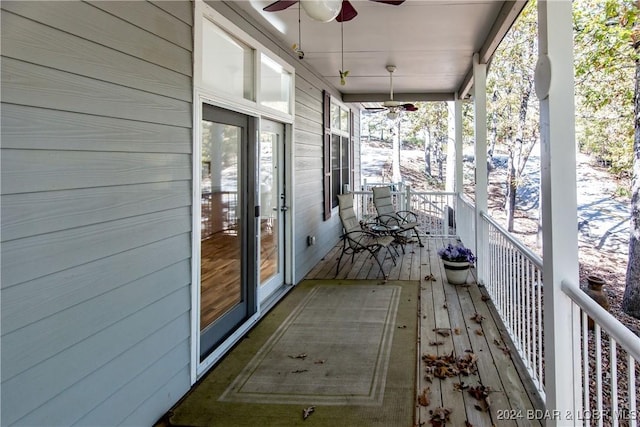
(431, 42)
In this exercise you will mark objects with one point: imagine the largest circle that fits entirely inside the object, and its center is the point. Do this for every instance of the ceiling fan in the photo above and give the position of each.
(393, 107)
(325, 10)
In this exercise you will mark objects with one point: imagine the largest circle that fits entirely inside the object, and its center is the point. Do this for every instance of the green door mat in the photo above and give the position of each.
(344, 350)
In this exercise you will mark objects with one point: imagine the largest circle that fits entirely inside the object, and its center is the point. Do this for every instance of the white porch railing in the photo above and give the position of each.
(514, 283)
(466, 222)
(610, 351)
(435, 210)
(609, 397)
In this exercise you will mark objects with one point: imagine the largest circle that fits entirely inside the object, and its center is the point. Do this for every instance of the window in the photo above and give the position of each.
(337, 152)
(275, 85)
(235, 71)
(227, 63)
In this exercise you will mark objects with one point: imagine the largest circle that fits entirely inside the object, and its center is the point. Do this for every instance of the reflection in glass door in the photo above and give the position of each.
(272, 207)
(227, 289)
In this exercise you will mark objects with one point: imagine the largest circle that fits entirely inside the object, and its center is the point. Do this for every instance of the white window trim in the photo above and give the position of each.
(204, 94)
(341, 133)
(202, 10)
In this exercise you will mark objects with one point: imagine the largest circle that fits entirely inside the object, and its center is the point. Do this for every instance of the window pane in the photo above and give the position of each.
(346, 164)
(335, 169)
(335, 116)
(275, 85)
(344, 120)
(220, 215)
(227, 64)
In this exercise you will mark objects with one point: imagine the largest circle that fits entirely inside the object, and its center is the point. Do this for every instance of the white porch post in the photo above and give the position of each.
(454, 146)
(480, 127)
(555, 88)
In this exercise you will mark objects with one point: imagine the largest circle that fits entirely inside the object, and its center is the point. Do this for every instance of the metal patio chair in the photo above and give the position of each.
(356, 239)
(388, 215)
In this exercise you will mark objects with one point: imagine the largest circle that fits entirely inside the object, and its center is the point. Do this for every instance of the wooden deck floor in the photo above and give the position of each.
(447, 328)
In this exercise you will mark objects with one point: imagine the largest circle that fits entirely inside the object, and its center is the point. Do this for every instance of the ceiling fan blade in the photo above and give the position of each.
(409, 107)
(347, 12)
(280, 5)
(375, 109)
(392, 2)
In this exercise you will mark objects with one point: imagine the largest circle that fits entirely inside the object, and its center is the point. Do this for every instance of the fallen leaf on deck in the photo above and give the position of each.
(425, 397)
(449, 366)
(502, 346)
(402, 327)
(456, 331)
(485, 298)
(439, 416)
(479, 332)
(444, 306)
(430, 278)
(300, 356)
(478, 318)
(481, 393)
(299, 371)
(319, 362)
(460, 386)
(443, 332)
(306, 412)
(467, 424)
(428, 376)
(436, 342)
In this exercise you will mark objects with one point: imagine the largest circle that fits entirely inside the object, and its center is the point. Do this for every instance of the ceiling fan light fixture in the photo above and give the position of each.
(322, 10)
(392, 115)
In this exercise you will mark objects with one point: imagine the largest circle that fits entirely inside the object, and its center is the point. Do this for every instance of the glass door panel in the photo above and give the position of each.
(227, 288)
(220, 235)
(272, 207)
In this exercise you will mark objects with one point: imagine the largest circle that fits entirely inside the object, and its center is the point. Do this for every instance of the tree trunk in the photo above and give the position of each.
(427, 153)
(631, 299)
(395, 162)
(511, 191)
(440, 161)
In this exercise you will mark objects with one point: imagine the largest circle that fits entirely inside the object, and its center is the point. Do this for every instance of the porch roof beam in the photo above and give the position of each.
(402, 97)
(505, 19)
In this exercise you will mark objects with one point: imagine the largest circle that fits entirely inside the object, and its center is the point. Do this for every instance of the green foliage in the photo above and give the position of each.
(624, 192)
(512, 109)
(604, 67)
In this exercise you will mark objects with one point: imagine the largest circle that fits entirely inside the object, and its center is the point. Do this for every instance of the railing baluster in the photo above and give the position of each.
(528, 304)
(598, 362)
(613, 366)
(632, 391)
(585, 362)
(539, 326)
(522, 307)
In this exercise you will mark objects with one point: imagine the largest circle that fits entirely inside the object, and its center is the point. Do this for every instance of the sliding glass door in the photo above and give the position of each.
(227, 236)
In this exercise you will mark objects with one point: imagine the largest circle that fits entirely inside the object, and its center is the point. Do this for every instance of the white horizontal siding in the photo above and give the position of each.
(26, 304)
(89, 23)
(26, 127)
(96, 211)
(142, 331)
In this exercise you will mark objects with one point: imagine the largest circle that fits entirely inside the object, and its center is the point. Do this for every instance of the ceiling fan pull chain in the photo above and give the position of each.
(298, 48)
(343, 73)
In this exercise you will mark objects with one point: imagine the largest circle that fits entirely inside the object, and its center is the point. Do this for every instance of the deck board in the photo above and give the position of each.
(451, 307)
